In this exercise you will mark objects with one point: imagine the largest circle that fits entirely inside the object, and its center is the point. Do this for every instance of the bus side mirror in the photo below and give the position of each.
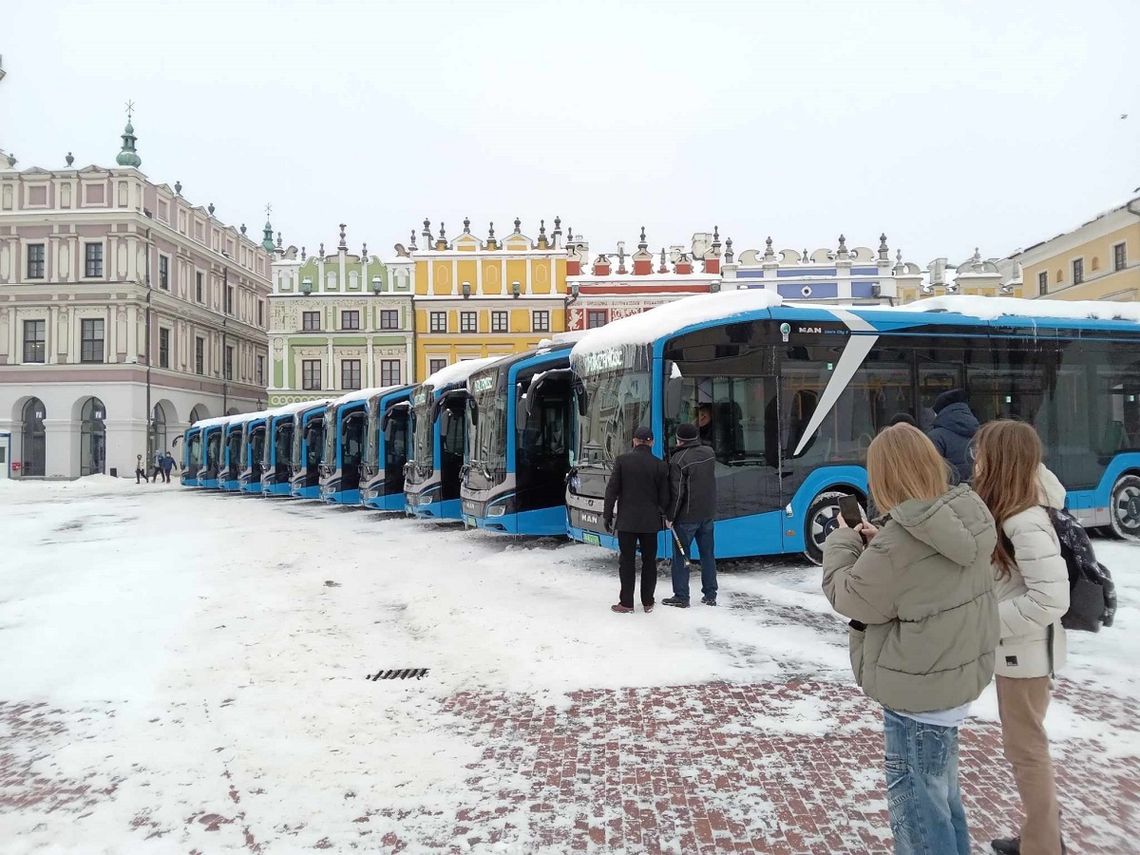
(444, 420)
(673, 390)
(522, 411)
(580, 396)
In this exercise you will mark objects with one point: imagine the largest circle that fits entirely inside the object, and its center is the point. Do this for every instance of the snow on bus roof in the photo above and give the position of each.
(670, 317)
(991, 308)
(211, 422)
(298, 406)
(459, 372)
(363, 394)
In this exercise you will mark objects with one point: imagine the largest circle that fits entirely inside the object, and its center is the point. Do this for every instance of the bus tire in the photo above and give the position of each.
(1124, 508)
(821, 521)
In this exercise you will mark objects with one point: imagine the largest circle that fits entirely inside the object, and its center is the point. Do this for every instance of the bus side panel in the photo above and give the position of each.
(542, 522)
(819, 481)
(392, 502)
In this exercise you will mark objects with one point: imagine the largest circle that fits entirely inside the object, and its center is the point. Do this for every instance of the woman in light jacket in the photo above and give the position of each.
(924, 625)
(1033, 589)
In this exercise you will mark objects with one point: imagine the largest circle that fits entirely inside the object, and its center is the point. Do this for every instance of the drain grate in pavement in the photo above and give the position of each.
(398, 674)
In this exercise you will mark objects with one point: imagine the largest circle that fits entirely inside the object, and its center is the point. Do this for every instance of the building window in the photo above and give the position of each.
(310, 374)
(228, 363)
(310, 321)
(468, 322)
(1043, 282)
(198, 286)
(199, 354)
(35, 261)
(229, 299)
(439, 321)
(390, 319)
(350, 373)
(435, 365)
(389, 372)
(94, 260)
(1119, 257)
(540, 320)
(164, 273)
(1078, 271)
(260, 370)
(163, 347)
(500, 322)
(91, 340)
(595, 318)
(260, 313)
(35, 341)
(350, 320)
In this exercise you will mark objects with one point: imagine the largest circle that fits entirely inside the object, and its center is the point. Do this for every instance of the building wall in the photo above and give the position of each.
(1093, 245)
(146, 235)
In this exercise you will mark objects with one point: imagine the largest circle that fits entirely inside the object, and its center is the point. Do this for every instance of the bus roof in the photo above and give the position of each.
(362, 394)
(241, 418)
(297, 407)
(545, 347)
(992, 308)
(212, 422)
(458, 372)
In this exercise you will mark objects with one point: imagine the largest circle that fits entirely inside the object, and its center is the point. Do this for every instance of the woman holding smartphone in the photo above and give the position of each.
(1033, 590)
(924, 625)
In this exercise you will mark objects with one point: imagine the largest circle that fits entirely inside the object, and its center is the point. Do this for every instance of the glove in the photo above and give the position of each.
(608, 522)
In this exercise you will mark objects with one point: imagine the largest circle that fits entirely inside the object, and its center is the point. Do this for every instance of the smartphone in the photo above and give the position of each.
(849, 508)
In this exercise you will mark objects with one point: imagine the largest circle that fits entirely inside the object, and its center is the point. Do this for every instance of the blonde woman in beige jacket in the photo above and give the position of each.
(1033, 592)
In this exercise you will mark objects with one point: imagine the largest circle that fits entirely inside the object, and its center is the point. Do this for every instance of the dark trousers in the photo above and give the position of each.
(628, 543)
(140, 476)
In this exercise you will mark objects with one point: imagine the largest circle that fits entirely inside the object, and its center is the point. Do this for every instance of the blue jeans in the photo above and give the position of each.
(703, 532)
(923, 797)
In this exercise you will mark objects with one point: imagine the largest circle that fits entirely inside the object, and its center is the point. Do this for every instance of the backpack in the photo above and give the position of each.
(1092, 594)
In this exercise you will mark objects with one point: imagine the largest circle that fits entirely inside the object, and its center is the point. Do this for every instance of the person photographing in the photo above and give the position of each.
(639, 486)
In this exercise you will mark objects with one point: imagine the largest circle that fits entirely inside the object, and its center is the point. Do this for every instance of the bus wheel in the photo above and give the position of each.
(821, 521)
(1124, 510)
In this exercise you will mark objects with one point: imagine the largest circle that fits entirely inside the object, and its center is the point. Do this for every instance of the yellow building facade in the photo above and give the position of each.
(1100, 260)
(475, 297)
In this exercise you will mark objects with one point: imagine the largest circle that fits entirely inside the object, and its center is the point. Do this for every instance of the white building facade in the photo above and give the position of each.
(126, 313)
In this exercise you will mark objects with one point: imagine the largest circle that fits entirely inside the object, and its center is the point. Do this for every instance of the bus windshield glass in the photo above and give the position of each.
(371, 433)
(619, 402)
(423, 433)
(330, 437)
(296, 438)
(488, 453)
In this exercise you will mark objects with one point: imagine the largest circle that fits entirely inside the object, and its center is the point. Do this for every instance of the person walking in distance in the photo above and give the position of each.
(692, 509)
(167, 466)
(919, 592)
(140, 470)
(156, 467)
(954, 426)
(1033, 593)
(639, 485)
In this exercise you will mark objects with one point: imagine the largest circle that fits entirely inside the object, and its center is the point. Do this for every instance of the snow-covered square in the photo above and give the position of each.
(188, 672)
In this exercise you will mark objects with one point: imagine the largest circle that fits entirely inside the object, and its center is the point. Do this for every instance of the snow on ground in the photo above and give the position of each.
(175, 638)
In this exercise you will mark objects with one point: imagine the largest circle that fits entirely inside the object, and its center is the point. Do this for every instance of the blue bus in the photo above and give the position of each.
(210, 451)
(233, 443)
(438, 417)
(253, 452)
(521, 420)
(191, 452)
(790, 396)
(345, 428)
(308, 449)
(387, 442)
(277, 454)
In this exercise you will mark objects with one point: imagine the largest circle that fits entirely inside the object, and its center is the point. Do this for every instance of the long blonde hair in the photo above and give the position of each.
(1005, 476)
(902, 464)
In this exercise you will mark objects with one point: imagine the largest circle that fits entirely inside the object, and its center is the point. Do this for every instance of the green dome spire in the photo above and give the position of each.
(128, 156)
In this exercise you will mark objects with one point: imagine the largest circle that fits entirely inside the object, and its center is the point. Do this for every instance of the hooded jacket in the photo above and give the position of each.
(692, 481)
(1036, 593)
(924, 590)
(953, 428)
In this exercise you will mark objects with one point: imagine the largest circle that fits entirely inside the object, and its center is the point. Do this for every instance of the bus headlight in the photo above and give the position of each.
(575, 484)
(502, 507)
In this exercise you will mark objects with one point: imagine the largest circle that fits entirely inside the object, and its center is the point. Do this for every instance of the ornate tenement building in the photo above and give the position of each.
(338, 321)
(482, 297)
(126, 312)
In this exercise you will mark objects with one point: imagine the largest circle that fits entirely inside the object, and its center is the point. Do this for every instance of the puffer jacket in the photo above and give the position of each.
(1036, 593)
(923, 588)
(951, 433)
(692, 480)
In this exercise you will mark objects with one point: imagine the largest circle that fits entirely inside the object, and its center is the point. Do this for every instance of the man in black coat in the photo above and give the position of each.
(953, 429)
(639, 484)
(692, 510)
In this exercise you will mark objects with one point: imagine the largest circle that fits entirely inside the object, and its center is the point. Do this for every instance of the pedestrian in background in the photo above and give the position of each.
(156, 467)
(167, 466)
(924, 625)
(1033, 593)
(692, 510)
(639, 485)
(954, 426)
(140, 470)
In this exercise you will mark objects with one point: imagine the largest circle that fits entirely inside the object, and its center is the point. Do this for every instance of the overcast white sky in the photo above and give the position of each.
(945, 124)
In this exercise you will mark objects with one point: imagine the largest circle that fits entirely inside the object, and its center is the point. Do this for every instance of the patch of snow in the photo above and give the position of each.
(364, 394)
(458, 372)
(991, 308)
(670, 317)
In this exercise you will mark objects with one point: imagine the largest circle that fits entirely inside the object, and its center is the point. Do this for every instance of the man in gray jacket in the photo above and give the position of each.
(692, 510)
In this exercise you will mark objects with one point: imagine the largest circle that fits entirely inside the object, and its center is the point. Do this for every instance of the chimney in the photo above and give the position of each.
(684, 265)
(711, 261)
(643, 258)
(602, 265)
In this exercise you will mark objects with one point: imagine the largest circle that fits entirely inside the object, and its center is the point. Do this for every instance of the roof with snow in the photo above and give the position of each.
(991, 308)
(364, 394)
(458, 372)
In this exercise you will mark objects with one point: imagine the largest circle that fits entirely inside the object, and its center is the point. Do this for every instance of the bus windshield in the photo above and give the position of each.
(330, 436)
(488, 452)
(423, 433)
(371, 433)
(619, 401)
(296, 438)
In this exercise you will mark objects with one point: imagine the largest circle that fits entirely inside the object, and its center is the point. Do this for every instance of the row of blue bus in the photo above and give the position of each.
(788, 396)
